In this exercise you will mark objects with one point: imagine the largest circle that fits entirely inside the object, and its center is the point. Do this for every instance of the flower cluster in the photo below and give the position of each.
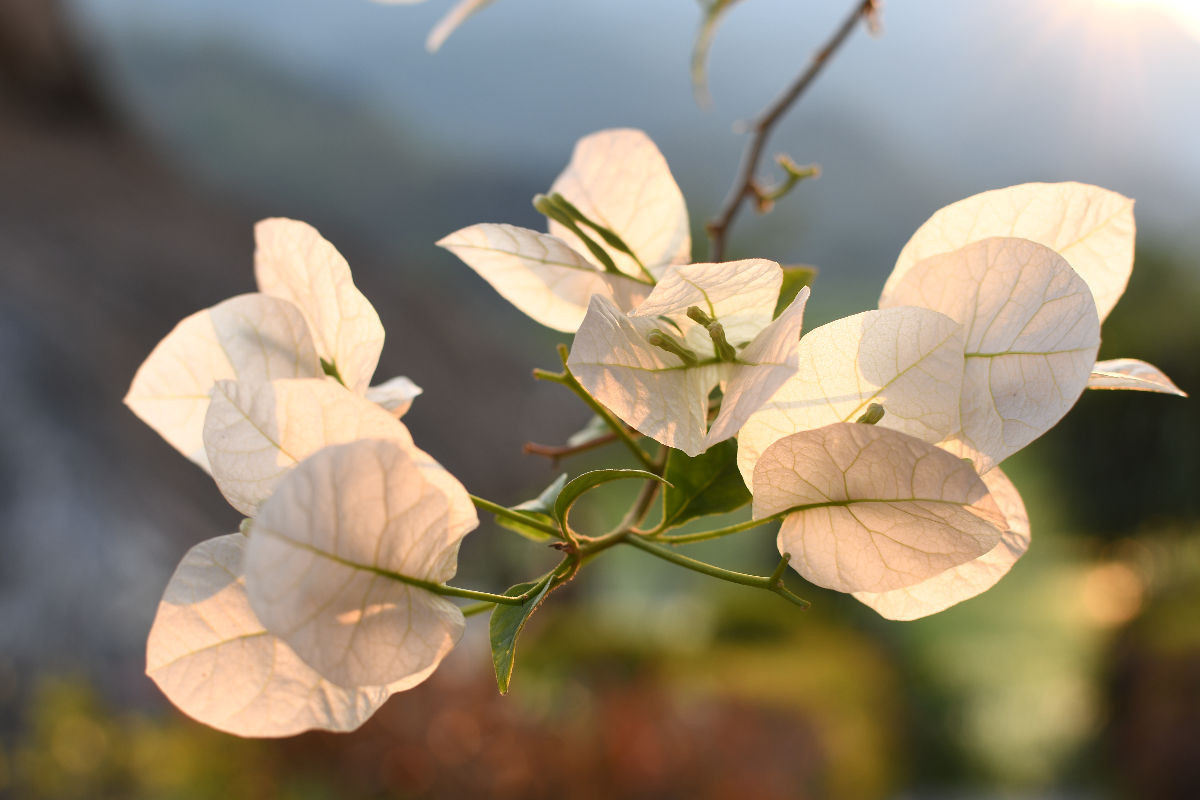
(875, 439)
(316, 613)
(986, 334)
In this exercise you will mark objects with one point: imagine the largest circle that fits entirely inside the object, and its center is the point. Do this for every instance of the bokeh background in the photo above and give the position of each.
(140, 140)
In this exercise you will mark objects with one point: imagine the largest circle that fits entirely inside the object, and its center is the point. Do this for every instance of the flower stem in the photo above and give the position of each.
(772, 583)
(716, 533)
(477, 608)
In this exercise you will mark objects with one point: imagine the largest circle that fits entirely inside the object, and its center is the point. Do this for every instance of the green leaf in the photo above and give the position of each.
(710, 483)
(539, 509)
(596, 428)
(330, 369)
(590, 480)
(506, 625)
(795, 278)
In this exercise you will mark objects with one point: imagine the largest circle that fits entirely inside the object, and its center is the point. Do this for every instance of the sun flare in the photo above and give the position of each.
(1184, 13)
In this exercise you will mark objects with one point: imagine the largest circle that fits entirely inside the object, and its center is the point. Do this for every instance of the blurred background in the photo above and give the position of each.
(140, 140)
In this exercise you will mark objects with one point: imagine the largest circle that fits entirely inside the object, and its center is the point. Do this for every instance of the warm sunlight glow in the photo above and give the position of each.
(1185, 13)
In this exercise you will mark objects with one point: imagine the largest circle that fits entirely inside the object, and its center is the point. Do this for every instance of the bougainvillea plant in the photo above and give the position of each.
(873, 440)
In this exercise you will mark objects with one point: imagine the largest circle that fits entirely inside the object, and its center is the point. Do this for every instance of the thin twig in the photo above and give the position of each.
(744, 186)
(558, 452)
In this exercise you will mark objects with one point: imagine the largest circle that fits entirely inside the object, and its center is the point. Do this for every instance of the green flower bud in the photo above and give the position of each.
(872, 415)
(665, 342)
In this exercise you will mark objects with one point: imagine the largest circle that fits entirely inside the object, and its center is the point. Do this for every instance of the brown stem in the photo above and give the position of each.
(744, 186)
(558, 452)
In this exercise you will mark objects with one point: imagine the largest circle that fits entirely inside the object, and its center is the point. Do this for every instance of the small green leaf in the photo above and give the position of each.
(506, 625)
(590, 480)
(539, 509)
(707, 484)
(596, 428)
(795, 278)
(330, 369)
(528, 531)
(544, 502)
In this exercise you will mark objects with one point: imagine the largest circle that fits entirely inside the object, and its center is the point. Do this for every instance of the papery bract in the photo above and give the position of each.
(618, 179)
(1092, 228)
(248, 336)
(216, 662)
(308, 312)
(909, 360)
(1130, 373)
(655, 391)
(540, 274)
(966, 580)
(1032, 338)
(256, 432)
(338, 556)
(871, 509)
(294, 262)
(395, 395)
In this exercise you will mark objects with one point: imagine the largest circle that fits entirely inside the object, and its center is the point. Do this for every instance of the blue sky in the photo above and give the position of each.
(953, 98)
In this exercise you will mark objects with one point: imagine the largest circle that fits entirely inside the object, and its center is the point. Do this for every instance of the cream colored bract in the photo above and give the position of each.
(966, 580)
(328, 554)
(871, 509)
(212, 657)
(1090, 227)
(307, 311)
(909, 360)
(659, 394)
(620, 180)
(1032, 335)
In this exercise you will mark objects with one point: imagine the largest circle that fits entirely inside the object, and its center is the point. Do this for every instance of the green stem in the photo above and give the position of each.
(484, 605)
(772, 583)
(508, 513)
(716, 533)
(568, 380)
(645, 498)
(477, 608)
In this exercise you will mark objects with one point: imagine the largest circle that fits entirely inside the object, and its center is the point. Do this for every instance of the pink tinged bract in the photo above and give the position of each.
(646, 387)
(334, 553)
(248, 337)
(256, 432)
(540, 274)
(619, 179)
(294, 262)
(1092, 228)
(870, 509)
(907, 359)
(1133, 374)
(966, 580)
(767, 363)
(1032, 337)
(659, 394)
(216, 662)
